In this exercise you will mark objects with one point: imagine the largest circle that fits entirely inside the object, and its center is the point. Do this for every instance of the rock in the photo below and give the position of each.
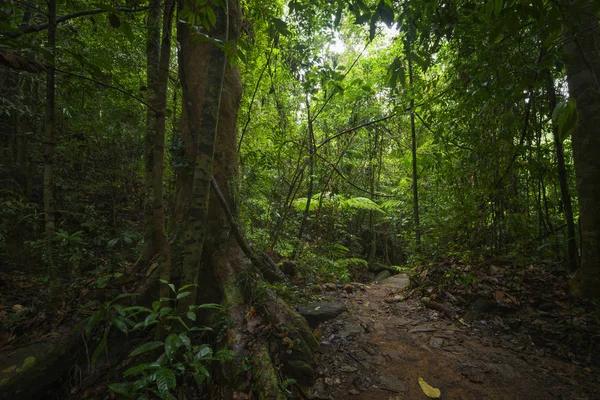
(351, 330)
(394, 299)
(394, 384)
(377, 267)
(321, 311)
(382, 275)
(349, 288)
(329, 286)
(473, 373)
(436, 343)
(301, 371)
(494, 270)
(317, 391)
(507, 371)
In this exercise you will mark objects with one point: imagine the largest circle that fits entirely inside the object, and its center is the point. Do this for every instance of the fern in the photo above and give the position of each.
(338, 251)
(300, 204)
(361, 203)
(346, 262)
(390, 204)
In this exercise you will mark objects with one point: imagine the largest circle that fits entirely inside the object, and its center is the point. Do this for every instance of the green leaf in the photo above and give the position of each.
(212, 18)
(200, 378)
(123, 296)
(136, 369)
(165, 381)
(165, 310)
(338, 14)
(185, 340)
(211, 305)
(171, 345)
(186, 286)
(100, 348)
(93, 321)
(281, 27)
(150, 319)
(191, 315)
(120, 388)
(120, 324)
(204, 353)
(146, 347)
(183, 294)
(565, 118)
(385, 12)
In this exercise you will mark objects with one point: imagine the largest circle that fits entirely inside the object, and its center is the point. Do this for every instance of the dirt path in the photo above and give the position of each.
(380, 349)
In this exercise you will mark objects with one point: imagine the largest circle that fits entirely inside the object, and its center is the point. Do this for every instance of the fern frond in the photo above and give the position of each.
(361, 203)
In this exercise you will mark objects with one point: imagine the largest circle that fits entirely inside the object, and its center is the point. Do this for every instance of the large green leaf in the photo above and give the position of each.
(165, 381)
(172, 343)
(565, 118)
(145, 348)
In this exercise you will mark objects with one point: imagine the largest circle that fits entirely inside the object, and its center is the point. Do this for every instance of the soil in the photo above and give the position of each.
(387, 341)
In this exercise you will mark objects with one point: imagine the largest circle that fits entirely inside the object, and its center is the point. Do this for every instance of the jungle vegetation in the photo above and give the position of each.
(203, 141)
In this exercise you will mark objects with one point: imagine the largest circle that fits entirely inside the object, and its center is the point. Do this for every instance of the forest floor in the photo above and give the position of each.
(389, 340)
(474, 331)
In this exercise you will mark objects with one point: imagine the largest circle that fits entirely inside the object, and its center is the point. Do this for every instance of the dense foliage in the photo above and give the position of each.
(370, 135)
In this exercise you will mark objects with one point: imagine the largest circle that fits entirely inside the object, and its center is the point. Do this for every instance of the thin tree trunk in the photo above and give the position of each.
(309, 194)
(158, 58)
(413, 135)
(562, 178)
(581, 44)
(49, 137)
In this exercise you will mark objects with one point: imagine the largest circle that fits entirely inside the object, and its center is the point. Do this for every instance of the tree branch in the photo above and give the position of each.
(118, 89)
(24, 30)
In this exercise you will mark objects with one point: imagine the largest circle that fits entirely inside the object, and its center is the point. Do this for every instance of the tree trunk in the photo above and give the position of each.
(50, 127)
(413, 136)
(581, 43)
(309, 193)
(205, 248)
(562, 178)
(158, 59)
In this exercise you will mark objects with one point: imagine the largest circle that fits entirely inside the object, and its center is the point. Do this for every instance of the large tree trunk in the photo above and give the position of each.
(206, 251)
(581, 44)
(158, 59)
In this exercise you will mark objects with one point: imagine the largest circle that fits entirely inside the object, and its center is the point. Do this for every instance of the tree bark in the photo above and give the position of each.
(202, 70)
(207, 251)
(158, 59)
(581, 43)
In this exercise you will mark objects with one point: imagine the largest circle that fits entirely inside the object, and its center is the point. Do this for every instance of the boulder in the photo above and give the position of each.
(382, 275)
(321, 311)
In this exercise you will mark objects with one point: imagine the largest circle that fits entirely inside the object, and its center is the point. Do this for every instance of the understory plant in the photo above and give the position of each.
(174, 358)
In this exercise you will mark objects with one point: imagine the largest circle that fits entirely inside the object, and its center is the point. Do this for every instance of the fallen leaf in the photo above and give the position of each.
(430, 391)
(17, 308)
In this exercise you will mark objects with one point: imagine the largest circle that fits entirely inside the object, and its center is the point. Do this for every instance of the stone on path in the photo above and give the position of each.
(321, 311)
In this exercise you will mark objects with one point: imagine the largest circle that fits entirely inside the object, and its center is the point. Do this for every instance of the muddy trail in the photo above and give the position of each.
(385, 342)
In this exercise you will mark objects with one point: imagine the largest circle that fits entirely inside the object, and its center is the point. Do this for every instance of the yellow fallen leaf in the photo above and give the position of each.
(430, 391)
